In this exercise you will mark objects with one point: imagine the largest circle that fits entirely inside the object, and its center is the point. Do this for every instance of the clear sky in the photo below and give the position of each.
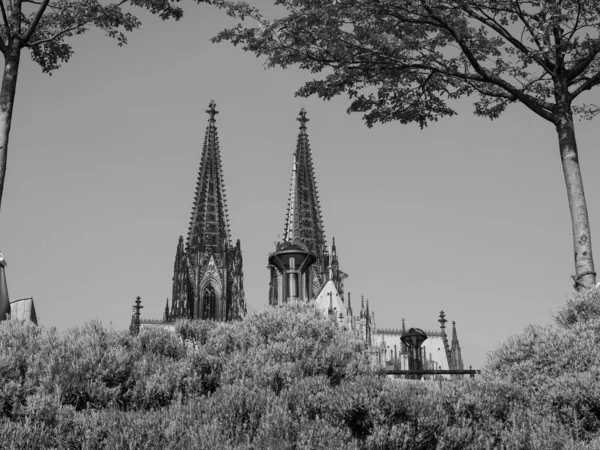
(469, 216)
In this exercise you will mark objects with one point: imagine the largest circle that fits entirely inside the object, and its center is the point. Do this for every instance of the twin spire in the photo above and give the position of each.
(304, 218)
(209, 223)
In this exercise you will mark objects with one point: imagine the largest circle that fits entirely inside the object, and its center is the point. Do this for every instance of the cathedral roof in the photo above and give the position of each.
(209, 224)
(330, 301)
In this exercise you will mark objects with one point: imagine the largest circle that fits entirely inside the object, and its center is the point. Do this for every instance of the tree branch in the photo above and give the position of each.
(541, 108)
(498, 28)
(60, 33)
(589, 84)
(5, 19)
(583, 64)
(34, 23)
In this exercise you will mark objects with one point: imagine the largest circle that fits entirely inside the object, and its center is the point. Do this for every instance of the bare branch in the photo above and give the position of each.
(34, 23)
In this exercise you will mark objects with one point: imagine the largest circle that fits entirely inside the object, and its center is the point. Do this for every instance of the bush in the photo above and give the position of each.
(287, 378)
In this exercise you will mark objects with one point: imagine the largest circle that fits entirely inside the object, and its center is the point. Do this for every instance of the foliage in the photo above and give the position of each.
(581, 307)
(285, 378)
(408, 61)
(404, 60)
(46, 28)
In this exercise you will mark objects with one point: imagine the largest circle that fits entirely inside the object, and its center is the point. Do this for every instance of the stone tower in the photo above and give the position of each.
(304, 224)
(208, 276)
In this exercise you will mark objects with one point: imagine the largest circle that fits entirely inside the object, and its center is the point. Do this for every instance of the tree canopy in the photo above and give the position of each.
(407, 60)
(44, 27)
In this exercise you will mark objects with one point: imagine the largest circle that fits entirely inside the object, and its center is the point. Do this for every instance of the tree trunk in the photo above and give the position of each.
(585, 276)
(7, 99)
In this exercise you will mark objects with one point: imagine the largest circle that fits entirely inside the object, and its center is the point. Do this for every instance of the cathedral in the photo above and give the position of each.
(208, 275)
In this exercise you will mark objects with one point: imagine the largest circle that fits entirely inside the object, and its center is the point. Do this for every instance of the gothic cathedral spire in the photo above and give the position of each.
(304, 220)
(208, 277)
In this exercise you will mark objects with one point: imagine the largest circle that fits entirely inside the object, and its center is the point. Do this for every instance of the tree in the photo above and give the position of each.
(405, 60)
(44, 26)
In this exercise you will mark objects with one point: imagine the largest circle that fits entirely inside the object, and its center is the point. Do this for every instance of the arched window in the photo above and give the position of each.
(210, 302)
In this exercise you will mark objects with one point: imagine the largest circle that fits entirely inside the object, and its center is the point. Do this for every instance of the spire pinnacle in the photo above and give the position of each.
(209, 224)
(212, 112)
(454, 336)
(442, 320)
(303, 119)
(134, 328)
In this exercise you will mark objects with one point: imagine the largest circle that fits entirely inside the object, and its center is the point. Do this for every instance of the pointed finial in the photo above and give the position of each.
(302, 119)
(442, 320)
(212, 112)
(349, 305)
(167, 306)
(454, 335)
(362, 301)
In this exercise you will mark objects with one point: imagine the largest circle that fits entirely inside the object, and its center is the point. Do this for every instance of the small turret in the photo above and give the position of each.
(442, 320)
(362, 306)
(134, 327)
(403, 347)
(456, 359)
(166, 313)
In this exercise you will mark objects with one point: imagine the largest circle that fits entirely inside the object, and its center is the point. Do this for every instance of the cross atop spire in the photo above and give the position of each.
(303, 119)
(212, 112)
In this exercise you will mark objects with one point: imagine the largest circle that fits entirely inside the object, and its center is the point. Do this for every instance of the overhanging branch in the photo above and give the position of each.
(34, 23)
(589, 84)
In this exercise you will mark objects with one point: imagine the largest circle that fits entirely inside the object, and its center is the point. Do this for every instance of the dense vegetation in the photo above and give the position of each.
(287, 378)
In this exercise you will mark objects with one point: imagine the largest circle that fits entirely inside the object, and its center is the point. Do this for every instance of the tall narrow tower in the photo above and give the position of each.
(208, 276)
(304, 223)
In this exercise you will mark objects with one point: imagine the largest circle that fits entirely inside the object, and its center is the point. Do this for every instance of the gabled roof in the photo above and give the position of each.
(330, 300)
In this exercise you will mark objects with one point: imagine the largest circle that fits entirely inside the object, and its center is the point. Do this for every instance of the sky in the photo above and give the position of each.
(469, 216)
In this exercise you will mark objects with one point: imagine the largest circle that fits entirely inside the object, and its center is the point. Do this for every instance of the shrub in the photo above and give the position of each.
(287, 378)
